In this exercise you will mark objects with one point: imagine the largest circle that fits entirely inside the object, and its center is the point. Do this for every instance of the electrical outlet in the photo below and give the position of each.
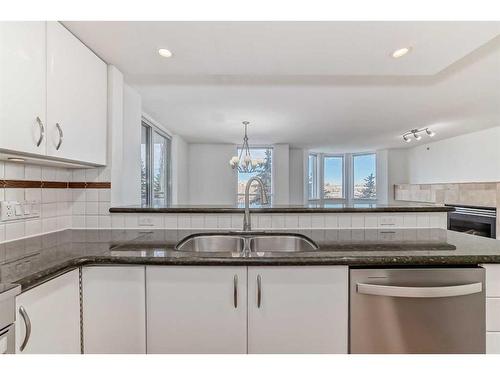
(14, 210)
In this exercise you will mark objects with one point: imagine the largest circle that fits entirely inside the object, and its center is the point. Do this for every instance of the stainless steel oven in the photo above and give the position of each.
(417, 310)
(479, 221)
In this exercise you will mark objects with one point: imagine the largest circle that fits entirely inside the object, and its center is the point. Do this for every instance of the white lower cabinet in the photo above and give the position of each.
(206, 309)
(492, 308)
(114, 309)
(52, 310)
(196, 309)
(298, 309)
(492, 342)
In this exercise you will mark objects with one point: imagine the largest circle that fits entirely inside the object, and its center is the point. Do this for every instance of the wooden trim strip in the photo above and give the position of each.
(21, 184)
(77, 185)
(27, 184)
(98, 185)
(54, 185)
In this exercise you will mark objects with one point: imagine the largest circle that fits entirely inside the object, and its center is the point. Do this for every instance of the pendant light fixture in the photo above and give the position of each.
(243, 162)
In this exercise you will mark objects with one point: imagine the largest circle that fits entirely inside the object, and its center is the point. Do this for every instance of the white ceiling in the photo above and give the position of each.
(321, 85)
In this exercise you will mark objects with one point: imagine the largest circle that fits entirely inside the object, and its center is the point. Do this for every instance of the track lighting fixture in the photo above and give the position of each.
(416, 133)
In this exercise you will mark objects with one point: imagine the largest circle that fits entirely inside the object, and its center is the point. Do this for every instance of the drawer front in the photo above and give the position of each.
(492, 342)
(492, 280)
(493, 314)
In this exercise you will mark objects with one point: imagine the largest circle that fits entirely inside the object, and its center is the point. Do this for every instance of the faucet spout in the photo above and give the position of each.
(247, 224)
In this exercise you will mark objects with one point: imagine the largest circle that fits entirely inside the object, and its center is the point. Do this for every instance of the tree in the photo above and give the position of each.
(369, 188)
(263, 170)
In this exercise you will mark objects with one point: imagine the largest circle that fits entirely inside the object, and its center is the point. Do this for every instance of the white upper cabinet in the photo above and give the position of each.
(52, 313)
(76, 99)
(196, 310)
(22, 86)
(298, 309)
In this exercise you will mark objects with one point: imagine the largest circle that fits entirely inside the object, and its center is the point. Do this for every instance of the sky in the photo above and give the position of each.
(363, 166)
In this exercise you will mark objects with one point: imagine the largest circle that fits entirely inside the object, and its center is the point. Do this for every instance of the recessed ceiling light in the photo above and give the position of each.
(401, 52)
(164, 52)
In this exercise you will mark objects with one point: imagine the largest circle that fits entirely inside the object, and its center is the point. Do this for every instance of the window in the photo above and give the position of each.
(155, 166)
(313, 176)
(263, 157)
(346, 177)
(364, 176)
(333, 177)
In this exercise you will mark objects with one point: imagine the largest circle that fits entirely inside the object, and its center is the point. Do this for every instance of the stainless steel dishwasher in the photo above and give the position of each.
(417, 310)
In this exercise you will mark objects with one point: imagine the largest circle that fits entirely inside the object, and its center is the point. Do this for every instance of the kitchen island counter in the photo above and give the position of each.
(32, 261)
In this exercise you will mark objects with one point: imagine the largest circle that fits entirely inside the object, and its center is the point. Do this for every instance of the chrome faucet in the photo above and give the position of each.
(247, 224)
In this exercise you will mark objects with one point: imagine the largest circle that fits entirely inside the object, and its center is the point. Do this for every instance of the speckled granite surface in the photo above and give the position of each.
(34, 260)
(309, 208)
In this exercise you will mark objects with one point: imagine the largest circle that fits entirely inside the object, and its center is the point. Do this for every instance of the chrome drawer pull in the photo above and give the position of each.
(259, 291)
(61, 135)
(419, 292)
(27, 324)
(235, 291)
(42, 131)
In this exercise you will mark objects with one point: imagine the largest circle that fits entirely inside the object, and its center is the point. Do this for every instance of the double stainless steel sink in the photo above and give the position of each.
(246, 243)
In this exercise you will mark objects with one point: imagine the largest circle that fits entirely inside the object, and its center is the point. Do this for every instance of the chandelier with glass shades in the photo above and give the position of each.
(243, 162)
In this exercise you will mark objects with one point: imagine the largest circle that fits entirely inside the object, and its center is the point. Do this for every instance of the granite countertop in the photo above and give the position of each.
(31, 261)
(308, 208)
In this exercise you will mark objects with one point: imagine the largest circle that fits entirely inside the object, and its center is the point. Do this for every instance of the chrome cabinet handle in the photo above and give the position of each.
(259, 291)
(419, 292)
(27, 324)
(42, 131)
(235, 291)
(61, 135)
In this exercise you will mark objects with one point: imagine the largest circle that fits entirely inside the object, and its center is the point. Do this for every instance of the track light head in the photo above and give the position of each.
(430, 133)
(406, 138)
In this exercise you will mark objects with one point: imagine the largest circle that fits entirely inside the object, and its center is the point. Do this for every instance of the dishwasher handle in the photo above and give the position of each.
(419, 292)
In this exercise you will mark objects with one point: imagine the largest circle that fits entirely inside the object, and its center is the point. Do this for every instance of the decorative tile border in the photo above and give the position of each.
(27, 184)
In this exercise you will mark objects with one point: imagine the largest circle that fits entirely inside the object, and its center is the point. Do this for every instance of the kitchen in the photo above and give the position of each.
(227, 193)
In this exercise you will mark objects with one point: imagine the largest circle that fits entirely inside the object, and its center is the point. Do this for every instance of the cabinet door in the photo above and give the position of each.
(22, 86)
(301, 309)
(53, 309)
(76, 98)
(196, 309)
(114, 310)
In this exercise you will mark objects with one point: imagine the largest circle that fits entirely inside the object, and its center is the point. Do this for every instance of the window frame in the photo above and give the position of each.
(316, 177)
(271, 147)
(322, 177)
(151, 128)
(347, 178)
(364, 200)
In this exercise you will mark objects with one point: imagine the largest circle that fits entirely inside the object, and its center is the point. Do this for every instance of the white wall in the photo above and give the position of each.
(382, 176)
(180, 171)
(397, 170)
(281, 174)
(211, 179)
(473, 157)
(297, 176)
(115, 132)
(131, 170)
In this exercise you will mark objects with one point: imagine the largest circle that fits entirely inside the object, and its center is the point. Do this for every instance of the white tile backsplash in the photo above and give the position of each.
(14, 171)
(89, 208)
(32, 172)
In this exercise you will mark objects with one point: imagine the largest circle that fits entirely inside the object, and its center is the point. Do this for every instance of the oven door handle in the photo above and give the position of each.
(419, 292)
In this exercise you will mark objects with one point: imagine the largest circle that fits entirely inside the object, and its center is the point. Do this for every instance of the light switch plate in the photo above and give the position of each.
(14, 210)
